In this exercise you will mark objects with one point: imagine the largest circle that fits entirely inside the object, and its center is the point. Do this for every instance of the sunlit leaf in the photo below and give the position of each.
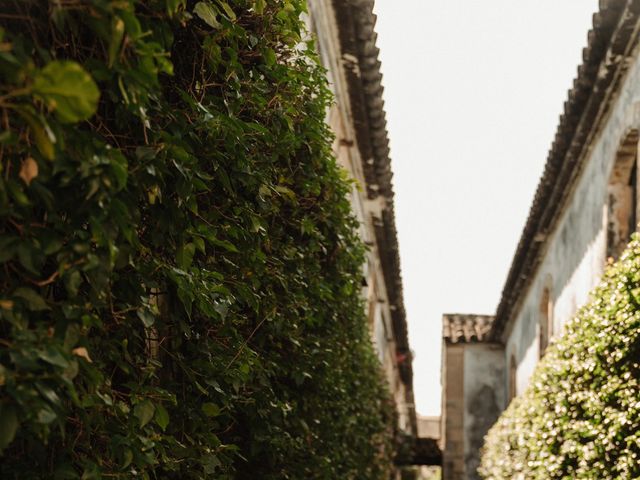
(207, 12)
(68, 90)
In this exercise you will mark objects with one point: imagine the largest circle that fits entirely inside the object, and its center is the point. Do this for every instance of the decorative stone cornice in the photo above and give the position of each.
(465, 328)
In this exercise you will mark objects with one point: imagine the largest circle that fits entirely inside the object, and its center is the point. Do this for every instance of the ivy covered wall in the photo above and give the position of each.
(180, 269)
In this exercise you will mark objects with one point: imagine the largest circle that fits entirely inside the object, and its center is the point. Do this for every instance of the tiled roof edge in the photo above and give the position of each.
(356, 22)
(609, 41)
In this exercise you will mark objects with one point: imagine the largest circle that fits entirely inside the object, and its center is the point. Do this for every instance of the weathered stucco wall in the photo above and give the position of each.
(575, 255)
(453, 411)
(484, 398)
(474, 396)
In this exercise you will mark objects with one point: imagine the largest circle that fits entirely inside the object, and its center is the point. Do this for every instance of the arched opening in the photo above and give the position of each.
(622, 201)
(545, 324)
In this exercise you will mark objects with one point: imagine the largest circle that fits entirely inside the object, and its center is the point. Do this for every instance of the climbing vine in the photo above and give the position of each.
(580, 416)
(179, 265)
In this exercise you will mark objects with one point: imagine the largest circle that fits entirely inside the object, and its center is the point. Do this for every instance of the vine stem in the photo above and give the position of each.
(245, 343)
(14, 93)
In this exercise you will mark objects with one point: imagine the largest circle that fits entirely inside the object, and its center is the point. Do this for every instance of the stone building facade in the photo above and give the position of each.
(473, 392)
(346, 40)
(585, 208)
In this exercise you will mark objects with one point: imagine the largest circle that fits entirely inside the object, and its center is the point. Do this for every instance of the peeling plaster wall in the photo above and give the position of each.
(473, 397)
(484, 398)
(574, 259)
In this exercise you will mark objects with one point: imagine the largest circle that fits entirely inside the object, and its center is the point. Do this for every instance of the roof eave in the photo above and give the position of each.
(356, 22)
(610, 42)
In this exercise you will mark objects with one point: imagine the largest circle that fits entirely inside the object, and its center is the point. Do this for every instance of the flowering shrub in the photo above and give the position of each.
(580, 416)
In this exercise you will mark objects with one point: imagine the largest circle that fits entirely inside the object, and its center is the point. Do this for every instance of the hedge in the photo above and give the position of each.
(180, 269)
(580, 416)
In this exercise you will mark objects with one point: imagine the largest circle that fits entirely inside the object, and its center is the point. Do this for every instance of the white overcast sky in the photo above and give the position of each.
(473, 92)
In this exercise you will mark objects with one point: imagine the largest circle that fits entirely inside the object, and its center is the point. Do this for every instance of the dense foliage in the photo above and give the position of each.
(180, 272)
(580, 417)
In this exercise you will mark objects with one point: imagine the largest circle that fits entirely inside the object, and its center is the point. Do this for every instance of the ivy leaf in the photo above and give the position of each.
(117, 34)
(68, 90)
(72, 283)
(162, 417)
(34, 301)
(227, 9)
(144, 411)
(287, 192)
(207, 12)
(210, 409)
(270, 56)
(16, 192)
(147, 317)
(54, 357)
(46, 415)
(8, 425)
(185, 254)
(119, 168)
(210, 463)
(173, 6)
(259, 6)
(42, 134)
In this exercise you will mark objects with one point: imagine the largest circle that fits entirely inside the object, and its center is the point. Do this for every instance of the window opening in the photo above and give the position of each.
(622, 198)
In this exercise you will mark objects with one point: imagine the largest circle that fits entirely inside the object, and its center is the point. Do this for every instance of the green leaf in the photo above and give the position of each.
(48, 393)
(185, 254)
(144, 411)
(228, 10)
(17, 194)
(54, 357)
(68, 90)
(34, 301)
(147, 317)
(8, 247)
(173, 6)
(210, 463)
(270, 56)
(210, 409)
(224, 244)
(162, 417)
(119, 168)
(259, 6)
(117, 34)
(286, 191)
(42, 134)
(8, 425)
(207, 12)
(46, 415)
(72, 283)
(127, 458)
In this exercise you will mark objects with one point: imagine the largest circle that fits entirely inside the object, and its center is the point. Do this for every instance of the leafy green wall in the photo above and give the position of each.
(580, 416)
(179, 266)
